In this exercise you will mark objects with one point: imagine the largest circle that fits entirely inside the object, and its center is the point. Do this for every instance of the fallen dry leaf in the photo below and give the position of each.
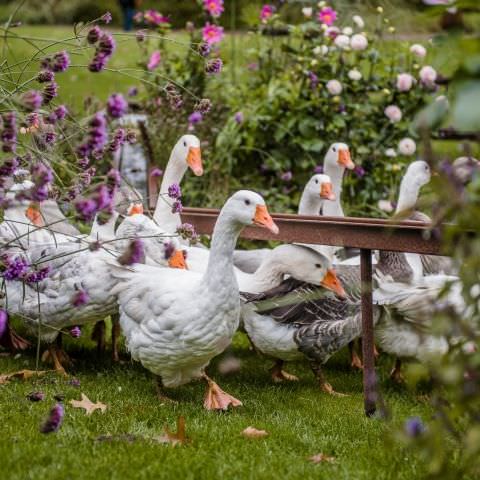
(22, 374)
(321, 457)
(88, 405)
(178, 438)
(252, 432)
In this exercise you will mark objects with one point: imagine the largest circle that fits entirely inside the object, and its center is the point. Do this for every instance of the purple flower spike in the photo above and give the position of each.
(177, 206)
(132, 91)
(318, 169)
(414, 427)
(214, 66)
(287, 176)
(15, 269)
(61, 61)
(75, 332)
(204, 106)
(38, 276)
(94, 34)
(133, 254)
(169, 250)
(359, 171)
(239, 117)
(3, 322)
(107, 44)
(156, 172)
(116, 105)
(36, 396)
(50, 92)
(195, 117)
(32, 100)
(80, 298)
(106, 17)
(174, 191)
(204, 49)
(45, 76)
(61, 112)
(54, 420)
(9, 132)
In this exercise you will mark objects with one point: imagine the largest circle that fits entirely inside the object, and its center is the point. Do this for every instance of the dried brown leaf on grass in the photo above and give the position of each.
(22, 375)
(321, 457)
(88, 405)
(178, 438)
(252, 432)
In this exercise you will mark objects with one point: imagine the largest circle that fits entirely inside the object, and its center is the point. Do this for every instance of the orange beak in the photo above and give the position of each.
(177, 260)
(135, 209)
(344, 159)
(263, 219)
(331, 282)
(326, 191)
(34, 215)
(194, 160)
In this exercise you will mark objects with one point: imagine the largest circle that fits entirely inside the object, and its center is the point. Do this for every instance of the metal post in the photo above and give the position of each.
(369, 376)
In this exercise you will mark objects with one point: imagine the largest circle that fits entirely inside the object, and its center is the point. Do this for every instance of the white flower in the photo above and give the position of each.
(354, 74)
(358, 21)
(307, 11)
(380, 9)
(428, 75)
(390, 152)
(407, 146)
(418, 50)
(385, 205)
(321, 4)
(342, 41)
(359, 42)
(334, 87)
(320, 50)
(393, 113)
(404, 82)
(347, 31)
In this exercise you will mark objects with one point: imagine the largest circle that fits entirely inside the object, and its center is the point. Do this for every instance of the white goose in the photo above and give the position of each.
(176, 321)
(335, 161)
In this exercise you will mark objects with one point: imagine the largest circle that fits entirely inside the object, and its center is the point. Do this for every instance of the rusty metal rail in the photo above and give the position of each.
(362, 233)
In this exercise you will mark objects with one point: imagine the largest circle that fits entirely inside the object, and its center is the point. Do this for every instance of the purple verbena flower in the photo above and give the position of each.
(114, 179)
(75, 382)
(98, 62)
(132, 92)
(32, 100)
(75, 332)
(313, 80)
(359, 171)
(37, 276)
(187, 232)
(42, 177)
(174, 191)
(9, 132)
(156, 172)
(32, 120)
(239, 117)
(36, 396)
(103, 197)
(61, 61)
(54, 420)
(116, 105)
(94, 34)
(214, 66)
(3, 322)
(15, 268)
(106, 17)
(61, 112)
(86, 209)
(131, 137)
(204, 49)
(318, 169)
(133, 254)
(45, 76)
(50, 138)
(169, 250)
(80, 298)
(286, 176)
(195, 117)
(203, 106)
(414, 427)
(106, 44)
(8, 167)
(118, 140)
(50, 92)
(177, 206)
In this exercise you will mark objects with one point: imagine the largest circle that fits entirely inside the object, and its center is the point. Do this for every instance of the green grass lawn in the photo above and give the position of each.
(301, 422)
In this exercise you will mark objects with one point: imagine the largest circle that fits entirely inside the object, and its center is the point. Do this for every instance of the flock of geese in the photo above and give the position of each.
(180, 306)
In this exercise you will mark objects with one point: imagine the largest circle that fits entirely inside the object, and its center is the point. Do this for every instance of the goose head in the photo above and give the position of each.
(307, 265)
(248, 208)
(338, 155)
(320, 185)
(187, 152)
(170, 252)
(135, 208)
(418, 174)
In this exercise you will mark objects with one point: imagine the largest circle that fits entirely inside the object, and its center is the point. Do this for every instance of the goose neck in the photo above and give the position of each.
(309, 204)
(408, 196)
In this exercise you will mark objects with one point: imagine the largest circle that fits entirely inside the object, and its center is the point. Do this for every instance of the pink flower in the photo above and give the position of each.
(428, 75)
(359, 42)
(267, 12)
(155, 18)
(334, 87)
(407, 146)
(213, 7)
(404, 82)
(393, 113)
(154, 61)
(212, 33)
(327, 15)
(418, 50)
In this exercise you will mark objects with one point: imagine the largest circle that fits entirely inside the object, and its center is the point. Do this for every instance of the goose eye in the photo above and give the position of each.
(316, 181)
(334, 149)
(247, 202)
(318, 265)
(184, 144)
